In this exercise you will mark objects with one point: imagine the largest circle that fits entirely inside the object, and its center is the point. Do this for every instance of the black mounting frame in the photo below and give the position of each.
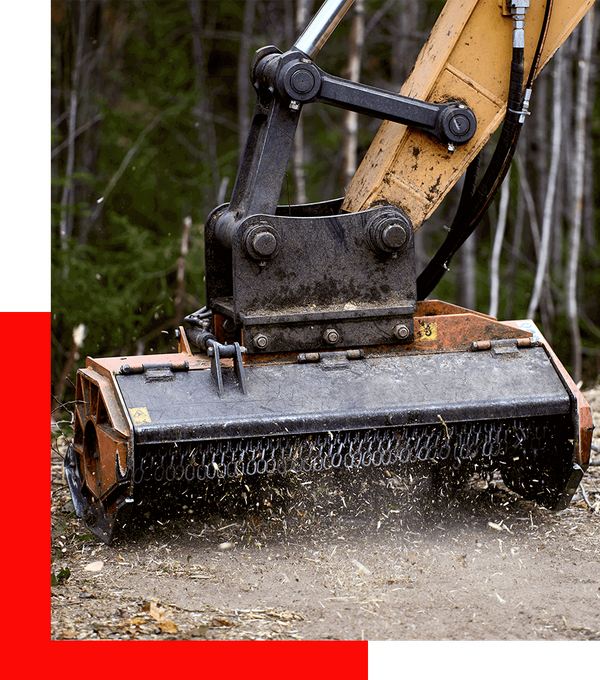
(305, 278)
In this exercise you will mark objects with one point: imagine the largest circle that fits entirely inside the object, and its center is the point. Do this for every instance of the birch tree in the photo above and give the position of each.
(203, 111)
(497, 248)
(355, 49)
(548, 214)
(243, 76)
(577, 178)
(67, 200)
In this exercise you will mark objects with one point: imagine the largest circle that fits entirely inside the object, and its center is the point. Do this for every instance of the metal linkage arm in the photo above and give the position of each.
(299, 80)
(283, 83)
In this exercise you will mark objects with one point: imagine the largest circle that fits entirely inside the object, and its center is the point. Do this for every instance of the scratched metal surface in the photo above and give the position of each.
(372, 392)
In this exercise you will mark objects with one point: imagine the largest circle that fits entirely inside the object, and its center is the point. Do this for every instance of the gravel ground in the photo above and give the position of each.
(342, 556)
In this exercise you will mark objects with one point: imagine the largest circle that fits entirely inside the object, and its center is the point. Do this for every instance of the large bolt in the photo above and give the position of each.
(389, 231)
(260, 341)
(331, 336)
(394, 235)
(401, 331)
(264, 243)
(460, 125)
(260, 241)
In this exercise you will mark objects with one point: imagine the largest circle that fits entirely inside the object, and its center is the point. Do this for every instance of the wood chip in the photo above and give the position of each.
(361, 567)
(94, 566)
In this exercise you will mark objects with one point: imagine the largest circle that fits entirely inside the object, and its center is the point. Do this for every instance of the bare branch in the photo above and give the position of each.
(80, 130)
(115, 178)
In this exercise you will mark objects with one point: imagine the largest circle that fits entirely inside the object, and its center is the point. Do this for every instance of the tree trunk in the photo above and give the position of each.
(355, 49)
(515, 256)
(577, 178)
(243, 76)
(529, 204)
(180, 292)
(467, 255)
(497, 248)
(548, 216)
(405, 47)
(204, 115)
(66, 214)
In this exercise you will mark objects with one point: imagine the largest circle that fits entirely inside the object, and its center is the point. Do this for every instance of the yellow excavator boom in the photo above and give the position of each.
(466, 58)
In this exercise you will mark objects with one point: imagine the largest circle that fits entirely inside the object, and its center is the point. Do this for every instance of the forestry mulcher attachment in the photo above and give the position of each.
(317, 348)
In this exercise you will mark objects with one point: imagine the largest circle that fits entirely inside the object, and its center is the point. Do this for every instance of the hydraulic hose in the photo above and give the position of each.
(474, 204)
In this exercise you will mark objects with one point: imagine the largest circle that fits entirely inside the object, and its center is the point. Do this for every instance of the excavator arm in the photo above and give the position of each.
(486, 53)
(467, 58)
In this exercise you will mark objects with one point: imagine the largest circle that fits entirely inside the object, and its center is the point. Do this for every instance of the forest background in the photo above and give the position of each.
(151, 102)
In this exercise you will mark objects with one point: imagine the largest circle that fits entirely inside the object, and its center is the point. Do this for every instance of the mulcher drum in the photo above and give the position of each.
(464, 408)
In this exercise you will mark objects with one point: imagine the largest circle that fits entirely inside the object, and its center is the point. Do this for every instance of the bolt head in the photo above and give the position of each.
(264, 243)
(260, 341)
(394, 235)
(331, 336)
(389, 231)
(261, 242)
(458, 124)
(401, 331)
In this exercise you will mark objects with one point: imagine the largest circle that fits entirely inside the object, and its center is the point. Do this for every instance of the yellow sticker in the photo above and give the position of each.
(428, 330)
(140, 415)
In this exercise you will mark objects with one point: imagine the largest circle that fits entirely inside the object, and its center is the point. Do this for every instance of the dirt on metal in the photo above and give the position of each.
(366, 555)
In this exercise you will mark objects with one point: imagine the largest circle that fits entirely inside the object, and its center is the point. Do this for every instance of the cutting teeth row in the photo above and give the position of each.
(455, 443)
